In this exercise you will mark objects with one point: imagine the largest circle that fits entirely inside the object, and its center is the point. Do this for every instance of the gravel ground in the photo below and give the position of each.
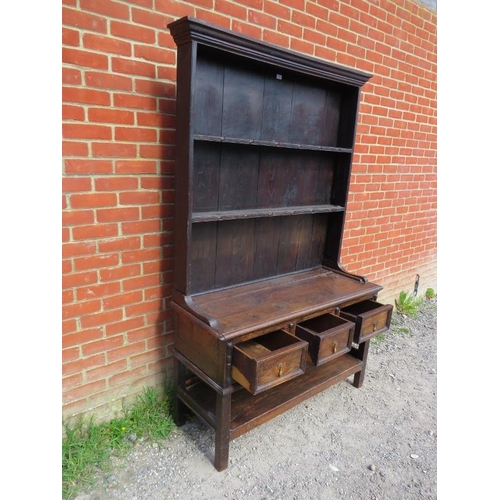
(376, 442)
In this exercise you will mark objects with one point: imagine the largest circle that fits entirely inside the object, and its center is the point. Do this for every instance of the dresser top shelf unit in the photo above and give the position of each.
(265, 139)
(265, 316)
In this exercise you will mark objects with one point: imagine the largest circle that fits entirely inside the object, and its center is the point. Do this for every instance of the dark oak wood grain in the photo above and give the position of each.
(265, 142)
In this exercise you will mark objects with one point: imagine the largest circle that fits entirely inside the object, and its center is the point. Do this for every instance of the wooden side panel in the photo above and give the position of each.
(208, 89)
(330, 130)
(206, 173)
(272, 178)
(242, 103)
(266, 248)
(289, 244)
(203, 256)
(235, 250)
(277, 109)
(238, 180)
(308, 114)
(198, 345)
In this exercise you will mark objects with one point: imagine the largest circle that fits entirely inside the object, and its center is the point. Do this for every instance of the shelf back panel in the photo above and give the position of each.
(227, 253)
(265, 103)
(232, 177)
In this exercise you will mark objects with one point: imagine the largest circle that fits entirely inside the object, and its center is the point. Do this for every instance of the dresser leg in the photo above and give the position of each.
(362, 354)
(223, 410)
(179, 409)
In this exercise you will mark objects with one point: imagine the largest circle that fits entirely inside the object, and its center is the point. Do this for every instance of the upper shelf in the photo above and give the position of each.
(263, 212)
(274, 144)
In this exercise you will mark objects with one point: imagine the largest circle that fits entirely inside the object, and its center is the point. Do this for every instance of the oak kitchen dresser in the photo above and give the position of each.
(265, 316)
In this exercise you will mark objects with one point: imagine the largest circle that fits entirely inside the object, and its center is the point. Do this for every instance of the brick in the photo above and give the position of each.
(86, 96)
(71, 76)
(131, 67)
(122, 299)
(141, 227)
(101, 346)
(70, 112)
(120, 272)
(277, 10)
(68, 296)
(139, 198)
(212, 17)
(81, 337)
(72, 148)
(106, 44)
(246, 29)
(93, 200)
(136, 167)
(148, 18)
(107, 370)
(174, 8)
(276, 38)
(155, 88)
(100, 319)
(231, 9)
(261, 19)
(111, 115)
(157, 151)
(80, 365)
(154, 54)
(114, 150)
(95, 231)
(135, 134)
(134, 101)
(124, 377)
(117, 214)
(76, 184)
(70, 37)
(96, 262)
(140, 282)
(85, 131)
(99, 290)
(83, 20)
(108, 8)
(80, 308)
(124, 325)
(290, 28)
(89, 166)
(77, 249)
(314, 36)
(108, 81)
(84, 58)
(132, 32)
(120, 244)
(142, 255)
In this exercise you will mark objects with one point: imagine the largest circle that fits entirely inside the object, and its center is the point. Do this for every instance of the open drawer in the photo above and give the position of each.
(328, 336)
(370, 318)
(268, 360)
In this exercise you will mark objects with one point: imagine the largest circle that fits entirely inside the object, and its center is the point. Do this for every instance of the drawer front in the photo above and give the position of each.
(328, 336)
(370, 318)
(268, 361)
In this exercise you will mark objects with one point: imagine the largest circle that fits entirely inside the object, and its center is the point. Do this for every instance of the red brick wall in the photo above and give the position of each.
(118, 149)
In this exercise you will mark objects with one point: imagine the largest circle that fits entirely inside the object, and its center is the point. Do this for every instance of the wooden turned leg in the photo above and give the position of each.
(362, 354)
(223, 410)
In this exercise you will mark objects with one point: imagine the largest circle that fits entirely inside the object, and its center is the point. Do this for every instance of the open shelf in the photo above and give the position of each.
(249, 411)
(263, 212)
(273, 144)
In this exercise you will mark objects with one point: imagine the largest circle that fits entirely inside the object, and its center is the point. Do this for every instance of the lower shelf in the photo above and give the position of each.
(248, 412)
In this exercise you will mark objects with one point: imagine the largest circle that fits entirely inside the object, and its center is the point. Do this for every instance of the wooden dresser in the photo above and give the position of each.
(265, 315)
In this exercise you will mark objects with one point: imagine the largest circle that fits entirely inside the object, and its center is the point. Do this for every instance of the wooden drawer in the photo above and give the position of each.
(269, 360)
(328, 336)
(370, 318)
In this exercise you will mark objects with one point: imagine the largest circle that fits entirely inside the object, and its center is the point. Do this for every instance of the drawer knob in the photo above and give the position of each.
(280, 369)
(334, 347)
(374, 325)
